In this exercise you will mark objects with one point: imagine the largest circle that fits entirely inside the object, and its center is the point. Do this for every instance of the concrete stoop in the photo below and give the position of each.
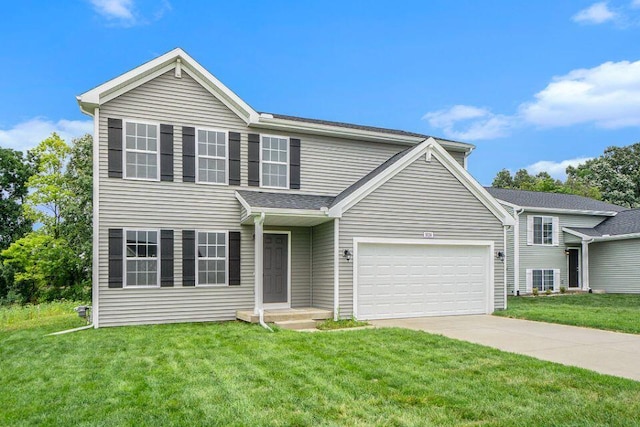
(306, 317)
(296, 325)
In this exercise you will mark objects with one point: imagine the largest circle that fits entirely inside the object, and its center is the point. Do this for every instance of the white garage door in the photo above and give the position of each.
(412, 280)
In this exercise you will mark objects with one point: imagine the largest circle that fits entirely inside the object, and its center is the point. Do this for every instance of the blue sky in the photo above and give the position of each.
(526, 82)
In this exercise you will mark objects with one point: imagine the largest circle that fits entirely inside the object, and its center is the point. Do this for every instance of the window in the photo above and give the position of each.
(142, 258)
(212, 258)
(275, 162)
(543, 279)
(141, 151)
(212, 156)
(542, 230)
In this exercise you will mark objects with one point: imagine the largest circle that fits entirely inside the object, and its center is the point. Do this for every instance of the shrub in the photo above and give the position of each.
(547, 292)
(563, 289)
(535, 292)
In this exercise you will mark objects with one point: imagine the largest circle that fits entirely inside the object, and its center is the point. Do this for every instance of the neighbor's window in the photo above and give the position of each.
(542, 230)
(543, 279)
(275, 162)
(142, 258)
(212, 156)
(141, 151)
(212, 258)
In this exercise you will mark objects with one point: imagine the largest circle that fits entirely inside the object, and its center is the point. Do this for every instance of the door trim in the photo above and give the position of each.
(280, 305)
(579, 272)
(489, 244)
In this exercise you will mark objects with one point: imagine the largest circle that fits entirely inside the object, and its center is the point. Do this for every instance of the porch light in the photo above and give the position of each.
(347, 254)
(566, 251)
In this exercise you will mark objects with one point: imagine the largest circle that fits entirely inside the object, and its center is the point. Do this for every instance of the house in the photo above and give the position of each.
(570, 241)
(205, 207)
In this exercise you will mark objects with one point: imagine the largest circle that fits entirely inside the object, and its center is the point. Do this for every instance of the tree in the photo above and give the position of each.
(522, 180)
(503, 180)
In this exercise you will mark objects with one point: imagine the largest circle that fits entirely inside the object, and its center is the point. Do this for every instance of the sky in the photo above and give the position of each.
(533, 84)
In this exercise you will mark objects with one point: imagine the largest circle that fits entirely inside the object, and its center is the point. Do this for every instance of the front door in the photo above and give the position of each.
(574, 268)
(276, 258)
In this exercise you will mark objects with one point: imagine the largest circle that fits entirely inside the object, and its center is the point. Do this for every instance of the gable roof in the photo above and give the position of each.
(273, 200)
(538, 199)
(625, 223)
(179, 61)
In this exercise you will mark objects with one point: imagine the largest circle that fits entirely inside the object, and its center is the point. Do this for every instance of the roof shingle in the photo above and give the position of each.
(275, 200)
(538, 199)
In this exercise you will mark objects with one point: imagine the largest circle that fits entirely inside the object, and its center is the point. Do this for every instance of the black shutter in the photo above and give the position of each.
(294, 164)
(188, 154)
(234, 158)
(115, 258)
(115, 147)
(234, 258)
(254, 160)
(166, 153)
(188, 258)
(166, 258)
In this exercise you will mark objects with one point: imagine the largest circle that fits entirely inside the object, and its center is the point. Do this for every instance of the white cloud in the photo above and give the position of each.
(27, 135)
(635, 4)
(126, 13)
(114, 9)
(597, 13)
(477, 123)
(555, 169)
(607, 96)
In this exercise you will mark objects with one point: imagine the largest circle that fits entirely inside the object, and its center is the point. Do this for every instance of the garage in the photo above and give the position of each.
(396, 279)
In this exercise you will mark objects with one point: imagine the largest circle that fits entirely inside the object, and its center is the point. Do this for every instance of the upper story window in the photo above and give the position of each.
(212, 156)
(141, 266)
(275, 162)
(141, 151)
(543, 230)
(212, 258)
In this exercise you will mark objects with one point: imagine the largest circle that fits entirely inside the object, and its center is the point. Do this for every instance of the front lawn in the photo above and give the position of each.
(613, 312)
(240, 374)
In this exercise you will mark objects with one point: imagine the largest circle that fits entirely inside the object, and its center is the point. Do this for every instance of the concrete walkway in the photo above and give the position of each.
(606, 352)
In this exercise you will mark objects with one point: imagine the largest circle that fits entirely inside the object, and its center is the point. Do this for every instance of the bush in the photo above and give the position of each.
(535, 292)
(563, 289)
(547, 292)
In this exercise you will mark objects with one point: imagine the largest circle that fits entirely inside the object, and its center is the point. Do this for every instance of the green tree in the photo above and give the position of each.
(503, 179)
(523, 181)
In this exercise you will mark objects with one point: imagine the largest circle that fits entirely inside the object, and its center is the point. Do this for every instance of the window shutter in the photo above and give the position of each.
(556, 231)
(115, 147)
(115, 258)
(294, 164)
(234, 258)
(556, 279)
(188, 258)
(166, 258)
(234, 158)
(188, 154)
(529, 282)
(254, 160)
(529, 229)
(166, 153)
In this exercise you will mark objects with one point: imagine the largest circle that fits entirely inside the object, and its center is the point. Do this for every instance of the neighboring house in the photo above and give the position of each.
(570, 241)
(204, 206)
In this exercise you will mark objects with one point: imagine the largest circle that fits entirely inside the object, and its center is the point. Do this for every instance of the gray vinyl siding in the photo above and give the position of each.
(549, 257)
(322, 272)
(458, 156)
(615, 266)
(422, 197)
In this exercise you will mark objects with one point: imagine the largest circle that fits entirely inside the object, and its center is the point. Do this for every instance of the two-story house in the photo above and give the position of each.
(204, 207)
(570, 241)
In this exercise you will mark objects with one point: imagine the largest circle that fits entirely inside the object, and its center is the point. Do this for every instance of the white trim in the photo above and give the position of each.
(585, 264)
(603, 238)
(288, 303)
(554, 230)
(95, 265)
(336, 268)
(561, 211)
(125, 258)
(446, 160)
(258, 259)
(276, 163)
(489, 244)
(226, 156)
(516, 251)
(116, 93)
(576, 233)
(556, 275)
(579, 272)
(125, 149)
(504, 263)
(226, 259)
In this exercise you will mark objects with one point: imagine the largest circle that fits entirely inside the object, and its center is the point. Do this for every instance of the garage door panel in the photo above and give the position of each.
(409, 280)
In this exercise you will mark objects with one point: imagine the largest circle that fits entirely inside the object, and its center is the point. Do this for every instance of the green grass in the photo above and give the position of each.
(331, 324)
(15, 317)
(602, 311)
(239, 374)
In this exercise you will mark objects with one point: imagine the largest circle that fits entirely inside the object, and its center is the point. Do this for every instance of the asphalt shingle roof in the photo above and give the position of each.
(265, 199)
(538, 199)
(625, 222)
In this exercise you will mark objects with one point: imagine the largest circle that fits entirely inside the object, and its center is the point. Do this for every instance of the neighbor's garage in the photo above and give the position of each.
(395, 280)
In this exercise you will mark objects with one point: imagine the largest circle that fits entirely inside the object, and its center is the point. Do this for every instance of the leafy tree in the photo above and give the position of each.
(503, 179)
(522, 180)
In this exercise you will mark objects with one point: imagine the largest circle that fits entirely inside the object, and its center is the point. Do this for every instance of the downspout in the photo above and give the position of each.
(516, 251)
(258, 223)
(505, 228)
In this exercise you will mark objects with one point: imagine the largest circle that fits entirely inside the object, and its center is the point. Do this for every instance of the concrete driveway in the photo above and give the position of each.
(606, 352)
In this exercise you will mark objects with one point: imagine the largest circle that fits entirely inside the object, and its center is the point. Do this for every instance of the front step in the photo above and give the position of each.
(296, 324)
(284, 315)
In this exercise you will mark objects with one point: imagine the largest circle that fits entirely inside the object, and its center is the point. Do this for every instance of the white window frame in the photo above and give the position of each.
(125, 150)
(288, 164)
(543, 270)
(226, 260)
(126, 258)
(553, 230)
(226, 157)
